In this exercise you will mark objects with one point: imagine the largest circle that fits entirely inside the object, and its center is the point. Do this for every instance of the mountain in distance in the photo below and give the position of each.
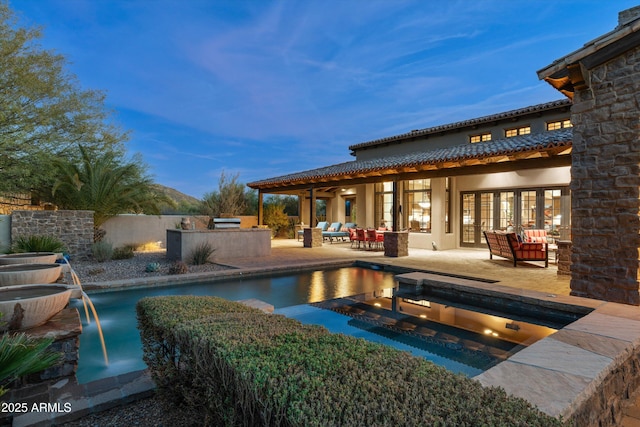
(181, 199)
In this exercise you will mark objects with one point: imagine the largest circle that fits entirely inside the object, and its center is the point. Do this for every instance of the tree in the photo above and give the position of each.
(229, 199)
(107, 185)
(43, 113)
(291, 205)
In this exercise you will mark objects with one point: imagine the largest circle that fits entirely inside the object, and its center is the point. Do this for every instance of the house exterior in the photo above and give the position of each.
(446, 184)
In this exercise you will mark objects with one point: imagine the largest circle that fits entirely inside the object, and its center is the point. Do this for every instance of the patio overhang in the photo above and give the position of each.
(505, 155)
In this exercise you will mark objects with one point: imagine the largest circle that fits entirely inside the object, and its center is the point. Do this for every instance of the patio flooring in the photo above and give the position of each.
(557, 374)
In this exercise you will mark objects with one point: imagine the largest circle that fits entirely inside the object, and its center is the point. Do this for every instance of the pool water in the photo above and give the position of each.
(316, 297)
(117, 309)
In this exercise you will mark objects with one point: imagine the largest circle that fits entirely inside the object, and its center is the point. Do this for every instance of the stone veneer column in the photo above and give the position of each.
(605, 180)
(564, 257)
(312, 237)
(396, 243)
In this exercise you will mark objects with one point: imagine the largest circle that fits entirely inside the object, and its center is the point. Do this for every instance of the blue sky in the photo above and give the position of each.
(265, 88)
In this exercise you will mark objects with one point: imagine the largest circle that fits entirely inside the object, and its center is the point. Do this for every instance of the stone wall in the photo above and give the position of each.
(74, 228)
(605, 182)
(603, 406)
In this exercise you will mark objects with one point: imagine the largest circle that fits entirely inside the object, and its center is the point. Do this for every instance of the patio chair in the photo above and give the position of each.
(353, 237)
(372, 238)
(334, 230)
(361, 238)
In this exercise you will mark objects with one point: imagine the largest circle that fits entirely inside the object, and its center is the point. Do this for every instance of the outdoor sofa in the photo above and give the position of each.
(509, 245)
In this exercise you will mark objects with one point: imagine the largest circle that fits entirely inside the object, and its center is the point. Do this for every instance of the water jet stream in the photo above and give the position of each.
(85, 299)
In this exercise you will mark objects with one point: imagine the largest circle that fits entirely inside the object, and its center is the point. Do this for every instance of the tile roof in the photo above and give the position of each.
(466, 123)
(501, 147)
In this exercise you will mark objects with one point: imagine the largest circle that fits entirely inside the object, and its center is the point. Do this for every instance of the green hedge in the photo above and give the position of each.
(238, 366)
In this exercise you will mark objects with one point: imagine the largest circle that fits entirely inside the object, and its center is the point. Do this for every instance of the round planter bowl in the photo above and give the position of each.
(29, 258)
(22, 274)
(27, 306)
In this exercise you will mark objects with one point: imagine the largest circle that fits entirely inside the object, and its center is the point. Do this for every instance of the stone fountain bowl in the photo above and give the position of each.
(22, 274)
(27, 306)
(29, 258)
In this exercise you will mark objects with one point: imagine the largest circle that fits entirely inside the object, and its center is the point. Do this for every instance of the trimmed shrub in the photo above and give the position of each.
(157, 316)
(248, 368)
(201, 253)
(37, 243)
(102, 251)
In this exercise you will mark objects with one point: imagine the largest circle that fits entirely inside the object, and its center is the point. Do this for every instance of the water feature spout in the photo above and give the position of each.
(87, 301)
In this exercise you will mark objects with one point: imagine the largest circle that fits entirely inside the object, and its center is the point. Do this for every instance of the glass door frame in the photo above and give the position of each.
(479, 218)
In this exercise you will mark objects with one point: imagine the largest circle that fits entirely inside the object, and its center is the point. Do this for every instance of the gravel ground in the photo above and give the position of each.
(149, 412)
(92, 271)
(152, 411)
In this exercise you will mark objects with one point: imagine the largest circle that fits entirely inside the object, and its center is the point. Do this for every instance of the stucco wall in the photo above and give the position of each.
(141, 229)
(518, 179)
(228, 244)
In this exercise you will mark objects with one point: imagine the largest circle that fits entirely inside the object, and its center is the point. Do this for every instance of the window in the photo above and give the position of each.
(507, 210)
(383, 209)
(553, 211)
(523, 130)
(559, 124)
(482, 137)
(528, 211)
(418, 202)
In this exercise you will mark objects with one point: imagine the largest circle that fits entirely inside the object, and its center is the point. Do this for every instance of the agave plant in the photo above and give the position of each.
(38, 243)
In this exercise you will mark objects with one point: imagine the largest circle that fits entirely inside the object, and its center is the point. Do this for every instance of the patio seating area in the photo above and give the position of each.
(367, 239)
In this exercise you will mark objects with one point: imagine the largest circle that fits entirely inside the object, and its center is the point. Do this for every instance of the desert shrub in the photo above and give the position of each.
(276, 218)
(179, 267)
(124, 252)
(201, 253)
(248, 368)
(102, 251)
(21, 355)
(37, 243)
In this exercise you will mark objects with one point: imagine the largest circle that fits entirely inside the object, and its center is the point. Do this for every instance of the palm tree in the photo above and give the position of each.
(107, 185)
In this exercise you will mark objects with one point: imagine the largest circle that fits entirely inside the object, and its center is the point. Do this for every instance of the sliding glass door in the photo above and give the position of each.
(514, 211)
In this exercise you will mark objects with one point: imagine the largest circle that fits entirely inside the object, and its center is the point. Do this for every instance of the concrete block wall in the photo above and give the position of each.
(605, 182)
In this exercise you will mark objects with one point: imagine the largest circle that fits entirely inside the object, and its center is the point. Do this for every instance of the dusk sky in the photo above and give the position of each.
(265, 88)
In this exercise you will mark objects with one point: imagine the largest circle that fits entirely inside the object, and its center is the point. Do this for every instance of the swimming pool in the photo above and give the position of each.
(366, 290)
